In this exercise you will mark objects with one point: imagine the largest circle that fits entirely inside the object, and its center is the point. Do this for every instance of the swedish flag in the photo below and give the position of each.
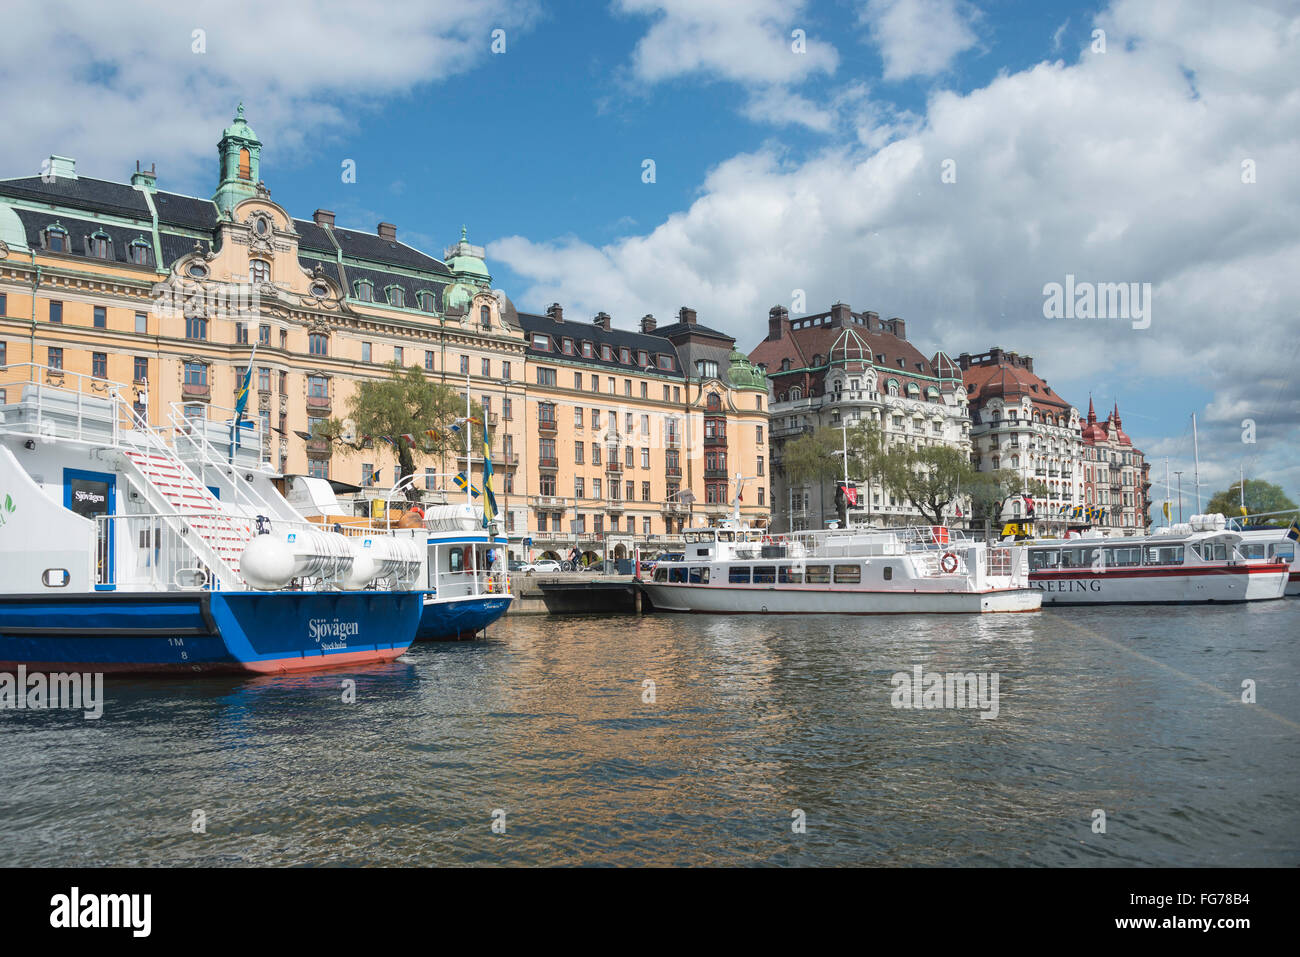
(489, 500)
(462, 482)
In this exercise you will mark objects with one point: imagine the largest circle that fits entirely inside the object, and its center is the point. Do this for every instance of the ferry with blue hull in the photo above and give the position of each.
(468, 586)
(128, 548)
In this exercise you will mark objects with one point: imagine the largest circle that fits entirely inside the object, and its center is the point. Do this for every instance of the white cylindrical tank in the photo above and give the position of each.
(382, 556)
(453, 518)
(270, 562)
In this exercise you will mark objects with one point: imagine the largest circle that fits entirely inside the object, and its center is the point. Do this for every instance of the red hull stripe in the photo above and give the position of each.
(274, 666)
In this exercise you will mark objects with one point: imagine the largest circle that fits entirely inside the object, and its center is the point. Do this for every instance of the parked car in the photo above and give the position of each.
(515, 566)
(647, 564)
(668, 557)
(543, 565)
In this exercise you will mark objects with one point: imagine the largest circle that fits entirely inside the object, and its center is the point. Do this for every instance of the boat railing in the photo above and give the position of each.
(152, 552)
(471, 584)
(192, 438)
(51, 403)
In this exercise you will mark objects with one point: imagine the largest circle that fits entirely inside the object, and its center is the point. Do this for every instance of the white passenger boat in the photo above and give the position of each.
(1199, 561)
(731, 569)
(1273, 543)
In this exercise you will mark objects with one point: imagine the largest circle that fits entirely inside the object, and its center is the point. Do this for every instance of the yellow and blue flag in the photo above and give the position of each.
(462, 482)
(489, 500)
(1293, 531)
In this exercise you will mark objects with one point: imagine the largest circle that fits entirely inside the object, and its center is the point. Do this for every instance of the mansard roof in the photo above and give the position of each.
(654, 344)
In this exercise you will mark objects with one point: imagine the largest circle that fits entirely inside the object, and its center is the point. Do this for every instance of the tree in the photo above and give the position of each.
(930, 477)
(1261, 497)
(405, 403)
(989, 492)
(813, 457)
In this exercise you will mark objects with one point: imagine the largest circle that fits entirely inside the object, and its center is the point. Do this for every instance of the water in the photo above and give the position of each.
(1133, 711)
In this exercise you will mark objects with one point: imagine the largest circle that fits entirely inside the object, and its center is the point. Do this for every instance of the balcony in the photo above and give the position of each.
(546, 425)
(672, 441)
(318, 448)
(673, 471)
(318, 404)
(613, 465)
(549, 464)
(190, 390)
(549, 503)
(614, 505)
(715, 473)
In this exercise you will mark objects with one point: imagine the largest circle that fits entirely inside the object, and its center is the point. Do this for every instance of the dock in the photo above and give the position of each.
(575, 593)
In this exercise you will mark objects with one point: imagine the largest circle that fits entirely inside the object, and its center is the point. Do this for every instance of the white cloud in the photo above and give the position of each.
(747, 42)
(919, 37)
(778, 106)
(1107, 168)
(109, 87)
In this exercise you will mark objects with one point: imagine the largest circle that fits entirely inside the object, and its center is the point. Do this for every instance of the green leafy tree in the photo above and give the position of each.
(405, 403)
(930, 478)
(1261, 497)
(813, 457)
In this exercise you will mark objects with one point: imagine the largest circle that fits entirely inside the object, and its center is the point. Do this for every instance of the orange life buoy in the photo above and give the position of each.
(948, 563)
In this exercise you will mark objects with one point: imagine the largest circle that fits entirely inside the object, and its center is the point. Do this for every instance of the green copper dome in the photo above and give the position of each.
(239, 129)
(466, 260)
(742, 374)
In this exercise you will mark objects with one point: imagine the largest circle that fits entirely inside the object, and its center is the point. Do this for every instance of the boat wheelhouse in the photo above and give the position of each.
(1272, 543)
(1200, 561)
(129, 548)
(930, 570)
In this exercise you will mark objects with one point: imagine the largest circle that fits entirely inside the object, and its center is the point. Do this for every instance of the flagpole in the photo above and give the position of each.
(239, 412)
(469, 461)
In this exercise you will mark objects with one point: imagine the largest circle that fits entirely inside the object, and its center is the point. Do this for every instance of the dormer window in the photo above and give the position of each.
(138, 252)
(396, 296)
(99, 245)
(567, 346)
(785, 365)
(666, 363)
(607, 353)
(893, 387)
(56, 239)
(259, 270)
(587, 349)
(541, 342)
(642, 358)
(425, 301)
(364, 290)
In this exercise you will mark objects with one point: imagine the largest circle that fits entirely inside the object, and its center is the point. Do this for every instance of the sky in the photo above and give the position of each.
(945, 161)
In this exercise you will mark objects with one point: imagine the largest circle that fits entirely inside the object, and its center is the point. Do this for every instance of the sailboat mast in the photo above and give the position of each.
(1196, 464)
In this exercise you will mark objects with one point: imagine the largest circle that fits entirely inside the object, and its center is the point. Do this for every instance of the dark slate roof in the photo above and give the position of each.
(311, 236)
(35, 221)
(94, 195)
(174, 247)
(186, 211)
(617, 338)
(685, 328)
(361, 245)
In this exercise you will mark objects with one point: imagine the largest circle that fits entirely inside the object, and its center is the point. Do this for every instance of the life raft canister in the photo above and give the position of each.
(948, 563)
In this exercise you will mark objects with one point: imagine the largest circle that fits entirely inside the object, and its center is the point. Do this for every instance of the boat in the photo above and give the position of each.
(465, 585)
(126, 547)
(1271, 542)
(731, 569)
(1193, 562)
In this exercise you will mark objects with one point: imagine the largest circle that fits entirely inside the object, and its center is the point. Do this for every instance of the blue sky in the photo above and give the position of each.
(775, 171)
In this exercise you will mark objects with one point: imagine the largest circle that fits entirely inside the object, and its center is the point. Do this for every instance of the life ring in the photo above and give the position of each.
(948, 563)
(767, 539)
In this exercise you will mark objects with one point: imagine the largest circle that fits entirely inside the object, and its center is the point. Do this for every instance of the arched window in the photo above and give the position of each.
(396, 296)
(365, 290)
(796, 394)
(714, 402)
(245, 164)
(99, 245)
(892, 387)
(259, 270)
(56, 239)
(484, 316)
(138, 252)
(424, 300)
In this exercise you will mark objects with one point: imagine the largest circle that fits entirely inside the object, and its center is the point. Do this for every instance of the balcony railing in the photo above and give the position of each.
(548, 463)
(613, 465)
(550, 502)
(672, 441)
(546, 425)
(673, 471)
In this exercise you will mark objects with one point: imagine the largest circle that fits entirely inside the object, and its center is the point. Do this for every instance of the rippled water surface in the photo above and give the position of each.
(1136, 712)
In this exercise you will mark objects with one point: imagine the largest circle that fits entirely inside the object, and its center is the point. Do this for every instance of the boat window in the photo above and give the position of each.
(695, 574)
(764, 574)
(1220, 552)
(738, 575)
(704, 575)
(1164, 555)
(818, 574)
(889, 573)
(1044, 558)
(848, 574)
(661, 574)
(1251, 551)
(1124, 556)
(1090, 555)
(455, 560)
(1072, 558)
(790, 576)
(726, 536)
(1286, 551)
(677, 574)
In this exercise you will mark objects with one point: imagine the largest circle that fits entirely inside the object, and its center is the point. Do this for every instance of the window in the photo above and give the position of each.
(541, 343)
(759, 434)
(140, 372)
(760, 465)
(196, 327)
(579, 451)
(595, 489)
(645, 491)
(56, 239)
(318, 344)
(484, 317)
(284, 383)
(318, 387)
(396, 296)
(595, 418)
(99, 365)
(595, 453)
(587, 348)
(264, 335)
(764, 574)
(399, 355)
(101, 319)
(56, 311)
(627, 387)
(263, 380)
(817, 574)
(428, 360)
(848, 574)
(318, 468)
(611, 385)
(241, 334)
(579, 483)
(645, 458)
(664, 362)
(889, 573)
(365, 352)
(738, 574)
(259, 270)
(55, 357)
(364, 290)
(424, 300)
(138, 252)
(100, 246)
(196, 374)
(487, 367)
(545, 376)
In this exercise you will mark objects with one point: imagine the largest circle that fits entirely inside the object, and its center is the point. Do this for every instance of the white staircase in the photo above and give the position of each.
(202, 513)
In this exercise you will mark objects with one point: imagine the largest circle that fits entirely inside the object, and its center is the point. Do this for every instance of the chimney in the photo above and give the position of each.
(387, 231)
(995, 356)
(148, 178)
(602, 320)
(840, 315)
(873, 321)
(61, 167)
(324, 217)
(648, 323)
(686, 315)
(899, 327)
(555, 311)
(775, 317)
(963, 361)
(1029, 364)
